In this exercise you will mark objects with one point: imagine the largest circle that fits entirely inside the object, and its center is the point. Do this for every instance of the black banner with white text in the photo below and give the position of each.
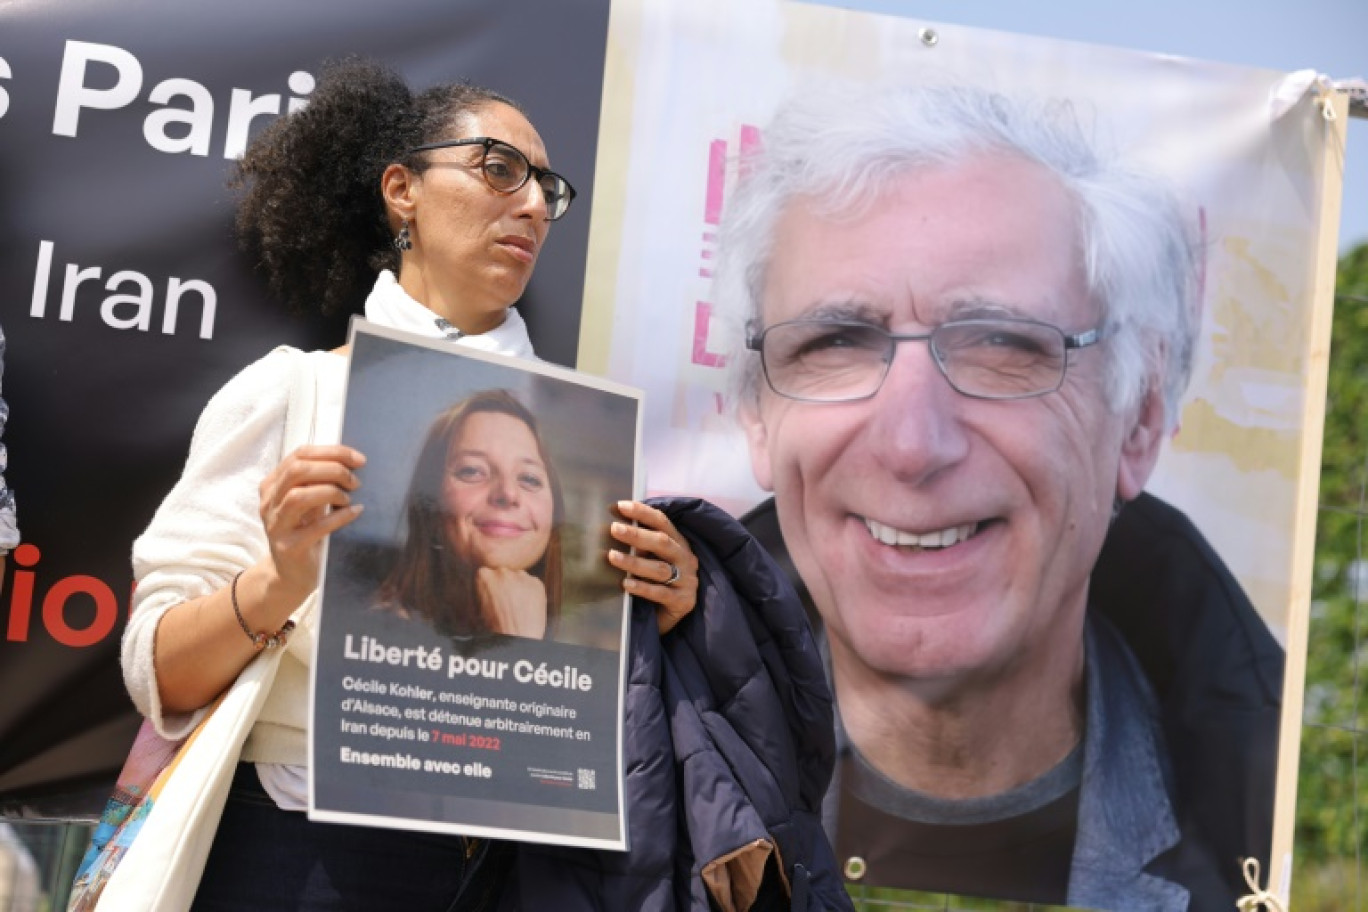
(126, 302)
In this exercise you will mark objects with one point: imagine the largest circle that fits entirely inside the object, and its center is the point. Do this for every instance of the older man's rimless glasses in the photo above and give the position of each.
(842, 361)
(506, 170)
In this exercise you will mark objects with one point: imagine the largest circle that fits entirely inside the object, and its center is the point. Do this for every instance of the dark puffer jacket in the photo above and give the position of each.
(728, 749)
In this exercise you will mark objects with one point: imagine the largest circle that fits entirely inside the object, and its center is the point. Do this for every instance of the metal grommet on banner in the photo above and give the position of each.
(855, 867)
(928, 36)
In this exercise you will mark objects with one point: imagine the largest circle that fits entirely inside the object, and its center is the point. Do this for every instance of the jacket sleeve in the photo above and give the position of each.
(728, 748)
(208, 527)
(751, 718)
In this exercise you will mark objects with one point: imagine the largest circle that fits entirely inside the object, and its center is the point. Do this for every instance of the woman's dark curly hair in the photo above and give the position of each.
(311, 214)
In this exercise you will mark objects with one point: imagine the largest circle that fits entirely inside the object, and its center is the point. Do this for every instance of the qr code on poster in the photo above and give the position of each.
(585, 779)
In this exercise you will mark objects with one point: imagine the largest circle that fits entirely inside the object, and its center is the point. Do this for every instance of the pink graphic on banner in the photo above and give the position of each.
(713, 197)
(701, 355)
(750, 141)
(717, 173)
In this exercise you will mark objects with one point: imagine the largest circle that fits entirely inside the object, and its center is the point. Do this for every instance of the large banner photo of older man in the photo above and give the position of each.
(1012, 352)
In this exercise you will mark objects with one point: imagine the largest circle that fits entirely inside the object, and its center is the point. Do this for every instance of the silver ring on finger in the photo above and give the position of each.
(674, 575)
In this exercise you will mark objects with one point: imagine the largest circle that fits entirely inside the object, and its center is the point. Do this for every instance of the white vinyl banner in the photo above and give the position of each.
(690, 89)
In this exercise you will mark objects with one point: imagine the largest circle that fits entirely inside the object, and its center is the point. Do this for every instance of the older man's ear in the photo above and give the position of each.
(757, 441)
(1141, 446)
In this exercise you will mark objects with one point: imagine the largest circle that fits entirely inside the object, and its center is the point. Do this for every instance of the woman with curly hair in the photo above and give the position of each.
(427, 212)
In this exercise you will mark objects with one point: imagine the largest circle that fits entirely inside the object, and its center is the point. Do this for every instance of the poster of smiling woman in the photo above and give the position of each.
(1013, 351)
(469, 665)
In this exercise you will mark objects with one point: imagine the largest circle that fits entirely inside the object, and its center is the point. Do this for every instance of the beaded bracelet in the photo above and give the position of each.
(259, 640)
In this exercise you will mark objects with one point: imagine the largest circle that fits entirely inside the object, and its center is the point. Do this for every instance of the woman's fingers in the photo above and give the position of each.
(313, 465)
(662, 573)
(303, 500)
(308, 514)
(664, 569)
(654, 535)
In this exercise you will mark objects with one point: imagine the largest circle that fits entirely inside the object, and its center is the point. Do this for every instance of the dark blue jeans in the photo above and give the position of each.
(266, 859)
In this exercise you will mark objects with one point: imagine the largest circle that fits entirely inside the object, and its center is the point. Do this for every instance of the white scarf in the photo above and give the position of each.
(389, 305)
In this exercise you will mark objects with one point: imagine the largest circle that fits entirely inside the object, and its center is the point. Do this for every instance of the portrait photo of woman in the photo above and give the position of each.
(483, 514)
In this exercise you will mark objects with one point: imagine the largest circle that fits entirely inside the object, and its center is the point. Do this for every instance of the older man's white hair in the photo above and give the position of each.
(838, 147)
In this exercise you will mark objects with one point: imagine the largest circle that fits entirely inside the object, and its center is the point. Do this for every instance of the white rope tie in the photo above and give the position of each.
(1259, 899)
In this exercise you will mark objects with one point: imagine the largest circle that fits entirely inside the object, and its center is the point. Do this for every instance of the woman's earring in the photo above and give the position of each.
(402, 241)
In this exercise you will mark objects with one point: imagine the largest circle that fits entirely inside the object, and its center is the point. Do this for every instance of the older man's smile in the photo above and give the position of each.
(943, 538)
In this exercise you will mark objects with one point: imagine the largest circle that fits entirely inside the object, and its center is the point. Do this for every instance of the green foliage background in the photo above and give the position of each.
(1332, 790)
